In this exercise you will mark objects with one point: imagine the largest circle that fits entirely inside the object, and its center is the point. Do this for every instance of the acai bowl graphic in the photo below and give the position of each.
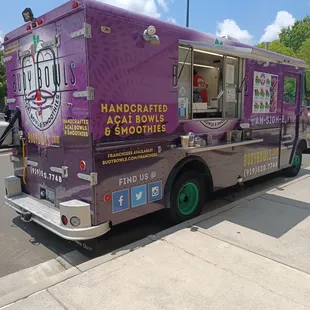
(263, 79)
(42, 108)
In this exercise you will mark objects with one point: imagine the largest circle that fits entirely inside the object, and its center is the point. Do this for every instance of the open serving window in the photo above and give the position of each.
(210, 78)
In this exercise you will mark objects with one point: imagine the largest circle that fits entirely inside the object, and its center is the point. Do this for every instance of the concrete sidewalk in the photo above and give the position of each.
(251, 254)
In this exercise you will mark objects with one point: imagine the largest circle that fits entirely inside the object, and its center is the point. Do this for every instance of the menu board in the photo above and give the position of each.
(265, 93)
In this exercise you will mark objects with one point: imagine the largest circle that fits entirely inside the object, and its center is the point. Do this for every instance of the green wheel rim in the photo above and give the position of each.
(188, 198)
(296, 160)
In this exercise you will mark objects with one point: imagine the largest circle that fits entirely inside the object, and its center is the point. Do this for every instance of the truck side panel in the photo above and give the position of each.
(123, 71)
(130, 73)
(127, 73)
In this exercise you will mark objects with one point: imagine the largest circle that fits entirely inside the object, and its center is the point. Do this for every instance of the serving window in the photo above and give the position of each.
(207, 84)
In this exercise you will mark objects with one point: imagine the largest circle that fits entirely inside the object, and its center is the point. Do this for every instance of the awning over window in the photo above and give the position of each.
(245, 52)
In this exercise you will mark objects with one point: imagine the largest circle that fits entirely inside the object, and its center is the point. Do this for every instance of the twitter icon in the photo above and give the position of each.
(138, 196)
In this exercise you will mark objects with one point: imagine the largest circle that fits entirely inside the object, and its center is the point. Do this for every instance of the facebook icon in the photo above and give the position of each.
(120, 201)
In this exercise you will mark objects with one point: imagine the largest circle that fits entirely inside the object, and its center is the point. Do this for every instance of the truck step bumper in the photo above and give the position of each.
(49, 217)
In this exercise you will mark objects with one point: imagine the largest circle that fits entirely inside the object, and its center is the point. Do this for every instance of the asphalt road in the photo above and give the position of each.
(24, 245)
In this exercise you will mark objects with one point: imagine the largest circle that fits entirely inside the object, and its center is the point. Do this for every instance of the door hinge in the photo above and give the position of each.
(25, 53)
(54, 42)
(89, 93)
(31, 163)
(5, 60)
(63, 171)
(85, 31)
(92, 178)
(14, 159)
(9, 100)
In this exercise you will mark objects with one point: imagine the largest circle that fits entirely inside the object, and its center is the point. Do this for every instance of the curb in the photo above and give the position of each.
(79, 269)
(75, 271)
(37, 287)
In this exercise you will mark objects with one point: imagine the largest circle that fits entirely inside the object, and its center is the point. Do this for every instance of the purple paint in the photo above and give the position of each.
(122, 135)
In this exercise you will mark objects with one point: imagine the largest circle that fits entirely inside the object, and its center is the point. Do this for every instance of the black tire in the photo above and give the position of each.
(194, 180)
(295, 168)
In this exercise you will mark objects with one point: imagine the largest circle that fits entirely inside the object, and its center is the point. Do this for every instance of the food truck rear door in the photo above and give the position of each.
(290, 113)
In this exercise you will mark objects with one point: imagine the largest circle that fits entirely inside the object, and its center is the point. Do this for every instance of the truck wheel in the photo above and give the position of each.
(296, 165)
(187, 196)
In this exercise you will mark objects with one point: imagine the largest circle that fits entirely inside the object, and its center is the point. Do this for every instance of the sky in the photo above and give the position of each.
(249, 21)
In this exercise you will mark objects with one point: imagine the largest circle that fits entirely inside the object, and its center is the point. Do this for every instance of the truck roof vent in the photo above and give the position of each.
(228, 37)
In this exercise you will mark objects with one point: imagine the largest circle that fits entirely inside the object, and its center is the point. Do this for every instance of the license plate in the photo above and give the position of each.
(47, 194)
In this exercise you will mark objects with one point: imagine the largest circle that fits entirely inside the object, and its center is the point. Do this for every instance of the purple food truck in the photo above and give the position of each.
(117, 115)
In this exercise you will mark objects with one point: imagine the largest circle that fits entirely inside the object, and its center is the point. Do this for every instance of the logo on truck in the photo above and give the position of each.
(41, 81)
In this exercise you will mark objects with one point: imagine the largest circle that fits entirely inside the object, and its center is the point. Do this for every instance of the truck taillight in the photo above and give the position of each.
(75, 4)
(35, 23)
(107, 197)
(82, 165)
(64, 220)
(15, 151)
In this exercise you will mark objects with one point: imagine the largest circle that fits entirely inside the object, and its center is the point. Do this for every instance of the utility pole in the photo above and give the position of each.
(187, 14)
(266, 45)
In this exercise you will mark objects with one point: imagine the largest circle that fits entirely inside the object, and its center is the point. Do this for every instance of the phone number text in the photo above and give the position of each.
(46, 175)
(260, 169)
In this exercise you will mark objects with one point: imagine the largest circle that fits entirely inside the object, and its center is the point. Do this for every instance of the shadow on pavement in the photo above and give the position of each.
(122, 236)
(264, 216)
(118, 237)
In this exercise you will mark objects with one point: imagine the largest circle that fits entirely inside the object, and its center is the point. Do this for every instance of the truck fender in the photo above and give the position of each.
(302, 144)
(188, 163)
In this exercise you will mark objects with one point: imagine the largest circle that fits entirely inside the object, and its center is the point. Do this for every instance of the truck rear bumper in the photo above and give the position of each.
(49, 217)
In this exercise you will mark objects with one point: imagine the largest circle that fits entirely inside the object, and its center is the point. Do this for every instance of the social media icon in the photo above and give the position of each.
(138, 196)
(155, 191)
(120, 201)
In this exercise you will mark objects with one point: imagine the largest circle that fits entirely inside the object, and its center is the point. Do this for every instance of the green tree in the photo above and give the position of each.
(295, 42)
(3, 89)
(304, 54)
(304, 51)
(294, 36)
(278, 47)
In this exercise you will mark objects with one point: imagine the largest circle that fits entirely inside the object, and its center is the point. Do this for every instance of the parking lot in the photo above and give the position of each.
(25, 245)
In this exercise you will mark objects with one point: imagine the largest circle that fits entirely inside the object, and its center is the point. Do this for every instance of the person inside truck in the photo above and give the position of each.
(207, 71)
(199, 88)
